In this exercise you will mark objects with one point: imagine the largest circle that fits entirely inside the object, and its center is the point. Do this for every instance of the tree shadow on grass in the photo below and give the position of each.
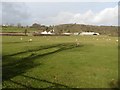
(13, 42)
(13, 69)
(56, 85)
(19, 66)
(39, 48)
(52, 84)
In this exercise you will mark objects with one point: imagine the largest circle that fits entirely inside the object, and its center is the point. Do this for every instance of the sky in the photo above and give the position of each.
(54, 13)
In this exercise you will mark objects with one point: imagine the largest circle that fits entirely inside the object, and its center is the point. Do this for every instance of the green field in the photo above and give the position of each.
(58, 62)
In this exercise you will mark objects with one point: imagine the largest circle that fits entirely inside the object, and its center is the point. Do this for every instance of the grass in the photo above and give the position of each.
(57, 62)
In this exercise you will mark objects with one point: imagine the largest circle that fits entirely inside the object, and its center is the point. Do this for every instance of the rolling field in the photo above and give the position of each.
(60, 62)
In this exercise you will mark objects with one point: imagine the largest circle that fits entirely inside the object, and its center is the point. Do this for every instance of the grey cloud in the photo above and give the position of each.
(14, 13)
(0, 13)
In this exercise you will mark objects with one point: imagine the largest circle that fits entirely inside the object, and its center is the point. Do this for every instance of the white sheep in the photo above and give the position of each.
(21, 38)
(30, 40)
(116, 40)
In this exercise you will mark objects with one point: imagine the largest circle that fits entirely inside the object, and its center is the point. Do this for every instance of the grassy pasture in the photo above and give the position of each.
(57, 62)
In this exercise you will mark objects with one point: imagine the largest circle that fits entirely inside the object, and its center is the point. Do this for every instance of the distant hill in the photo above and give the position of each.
(104, 30)
(63, 28)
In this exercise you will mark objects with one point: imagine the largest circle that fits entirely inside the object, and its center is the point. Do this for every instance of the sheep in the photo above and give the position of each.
(116, 40)
(30, 40)
(21, 38)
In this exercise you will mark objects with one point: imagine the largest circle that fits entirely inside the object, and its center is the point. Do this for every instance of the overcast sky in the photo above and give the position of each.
(53, 13)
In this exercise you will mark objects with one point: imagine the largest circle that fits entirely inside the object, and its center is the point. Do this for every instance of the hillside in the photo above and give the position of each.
(104, 30)
(71, 28)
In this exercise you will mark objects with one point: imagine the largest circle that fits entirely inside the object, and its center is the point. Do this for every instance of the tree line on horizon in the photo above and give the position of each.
(65, 28)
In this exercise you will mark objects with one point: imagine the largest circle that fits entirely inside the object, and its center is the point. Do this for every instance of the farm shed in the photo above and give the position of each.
(47, 33)
(89, 33)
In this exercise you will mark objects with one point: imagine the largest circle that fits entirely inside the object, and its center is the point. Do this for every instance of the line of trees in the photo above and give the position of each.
(70, 28)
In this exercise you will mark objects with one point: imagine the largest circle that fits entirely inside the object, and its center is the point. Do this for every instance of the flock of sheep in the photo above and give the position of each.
(30, 40)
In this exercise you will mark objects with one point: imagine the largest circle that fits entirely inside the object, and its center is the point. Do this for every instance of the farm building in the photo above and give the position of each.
(67, 33)
(46, 33)
(89, 33)
(76, 33)
(5, 25)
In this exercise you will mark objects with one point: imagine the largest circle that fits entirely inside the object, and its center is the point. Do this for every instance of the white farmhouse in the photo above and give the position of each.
(67, 33)
(76, 33)
(46, 33)
(89, 33)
